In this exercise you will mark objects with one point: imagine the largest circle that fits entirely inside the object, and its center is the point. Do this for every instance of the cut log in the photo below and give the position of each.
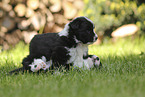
(56, 5)
(6, 7)
(1, 13)
(38, 20)
(23, 25)
(125, 30)
(8, 23)
(6, 1)
(45, 2)
(20, 9)
(14, 37)
(71, 1)
(3, 30)
(57, 28)
(18, 34)
(42, 5)
(33, 4)
(5, 46)
(60, 19)
(1, 40)
(49, 15)
(78, 4)
(2, 34)
(52, 28)
(49, 27)
(12, 14)
(29, 12)
(11, 40)
(28, 35)
(69, 10)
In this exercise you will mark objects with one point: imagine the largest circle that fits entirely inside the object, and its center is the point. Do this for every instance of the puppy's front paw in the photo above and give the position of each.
(97, 62)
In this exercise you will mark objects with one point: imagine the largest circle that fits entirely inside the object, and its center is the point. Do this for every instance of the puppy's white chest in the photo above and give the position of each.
(77, 55)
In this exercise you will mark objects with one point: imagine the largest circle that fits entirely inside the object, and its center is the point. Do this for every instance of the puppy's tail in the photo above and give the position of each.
(16, 71)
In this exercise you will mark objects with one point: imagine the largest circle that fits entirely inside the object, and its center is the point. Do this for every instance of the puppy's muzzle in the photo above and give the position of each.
(95, 38)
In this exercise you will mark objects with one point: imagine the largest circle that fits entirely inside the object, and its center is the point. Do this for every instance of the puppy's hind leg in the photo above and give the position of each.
(27, 61)
(60, 56)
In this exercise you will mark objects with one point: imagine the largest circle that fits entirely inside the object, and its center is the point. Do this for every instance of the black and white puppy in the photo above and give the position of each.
(70, 46)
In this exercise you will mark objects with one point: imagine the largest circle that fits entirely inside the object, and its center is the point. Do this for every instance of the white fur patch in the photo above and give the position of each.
(77, 55)
(64, 32)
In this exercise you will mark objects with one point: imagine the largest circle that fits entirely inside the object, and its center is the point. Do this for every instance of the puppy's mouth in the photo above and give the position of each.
(89, 40)
(94, 39)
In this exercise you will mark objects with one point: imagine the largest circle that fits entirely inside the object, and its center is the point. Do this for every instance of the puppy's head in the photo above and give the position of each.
(83, 30)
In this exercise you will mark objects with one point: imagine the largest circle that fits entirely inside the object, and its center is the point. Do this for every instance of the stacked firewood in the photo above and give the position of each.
(22, 19)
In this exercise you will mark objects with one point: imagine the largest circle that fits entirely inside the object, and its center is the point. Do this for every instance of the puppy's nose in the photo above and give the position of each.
(96, 38)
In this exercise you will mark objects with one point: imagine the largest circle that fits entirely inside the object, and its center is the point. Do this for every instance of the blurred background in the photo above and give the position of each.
(20, 20)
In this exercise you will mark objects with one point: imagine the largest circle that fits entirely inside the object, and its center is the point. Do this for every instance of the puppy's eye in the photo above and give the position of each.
(35, 66)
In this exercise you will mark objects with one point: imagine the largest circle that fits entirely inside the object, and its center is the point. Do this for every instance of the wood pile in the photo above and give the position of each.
(22, 19)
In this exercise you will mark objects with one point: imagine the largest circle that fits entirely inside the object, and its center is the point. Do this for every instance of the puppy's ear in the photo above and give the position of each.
(74, 24)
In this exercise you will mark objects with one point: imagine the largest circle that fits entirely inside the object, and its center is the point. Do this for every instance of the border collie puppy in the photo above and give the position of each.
(70, 46)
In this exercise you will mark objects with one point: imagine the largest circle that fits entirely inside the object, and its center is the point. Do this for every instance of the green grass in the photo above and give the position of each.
(122, 74)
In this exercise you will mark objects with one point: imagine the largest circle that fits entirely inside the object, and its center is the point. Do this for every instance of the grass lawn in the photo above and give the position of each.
(122, 74)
